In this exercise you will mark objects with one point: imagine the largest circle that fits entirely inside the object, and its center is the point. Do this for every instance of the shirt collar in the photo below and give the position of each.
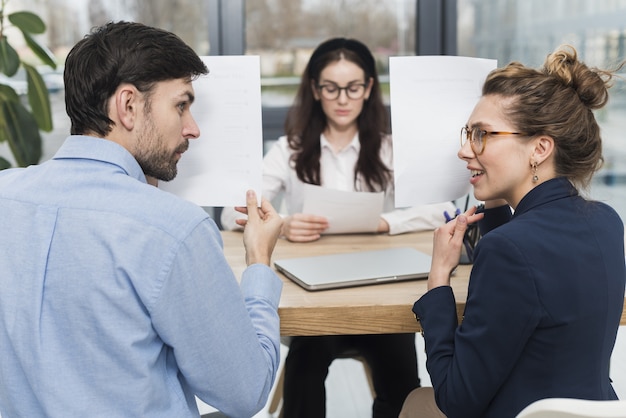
(99, 149)
(354, 144)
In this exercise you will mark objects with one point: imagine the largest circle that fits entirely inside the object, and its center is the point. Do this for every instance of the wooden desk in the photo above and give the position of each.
(377, 309)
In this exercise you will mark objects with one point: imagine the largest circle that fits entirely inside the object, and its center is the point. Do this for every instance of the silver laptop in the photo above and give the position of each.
(356, 269)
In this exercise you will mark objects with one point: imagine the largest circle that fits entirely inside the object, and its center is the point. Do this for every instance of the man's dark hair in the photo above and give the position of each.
(116, 53)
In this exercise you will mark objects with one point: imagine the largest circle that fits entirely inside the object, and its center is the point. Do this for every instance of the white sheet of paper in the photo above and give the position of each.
(226, 161)
(431, 98)
(347, 212)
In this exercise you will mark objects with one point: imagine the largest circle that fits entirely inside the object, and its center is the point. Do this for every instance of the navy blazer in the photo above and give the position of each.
(544, 303)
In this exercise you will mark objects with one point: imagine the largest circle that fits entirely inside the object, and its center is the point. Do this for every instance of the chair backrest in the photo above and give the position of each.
(574, 408)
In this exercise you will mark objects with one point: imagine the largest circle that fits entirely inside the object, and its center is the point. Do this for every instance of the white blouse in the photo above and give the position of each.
(337, 172)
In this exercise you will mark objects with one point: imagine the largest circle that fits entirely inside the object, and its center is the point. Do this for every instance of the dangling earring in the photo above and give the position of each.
(535, 178)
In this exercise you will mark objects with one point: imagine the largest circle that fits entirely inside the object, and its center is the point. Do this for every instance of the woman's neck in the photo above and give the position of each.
(340, 138)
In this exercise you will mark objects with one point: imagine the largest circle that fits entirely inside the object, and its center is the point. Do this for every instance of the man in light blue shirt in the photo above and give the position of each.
(115, 297)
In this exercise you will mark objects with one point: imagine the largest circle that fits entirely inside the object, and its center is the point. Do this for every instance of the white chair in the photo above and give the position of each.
(574, 408)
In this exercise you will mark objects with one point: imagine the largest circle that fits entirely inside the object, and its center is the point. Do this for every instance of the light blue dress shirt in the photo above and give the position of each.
(116, 299)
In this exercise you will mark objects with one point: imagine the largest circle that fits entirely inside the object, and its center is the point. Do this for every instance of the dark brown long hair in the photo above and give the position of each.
(306, 120)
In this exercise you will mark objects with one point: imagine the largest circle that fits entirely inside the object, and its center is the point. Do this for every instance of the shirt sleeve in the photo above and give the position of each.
(225, 336)
(417, 218)
(276, 168)
(469, 364)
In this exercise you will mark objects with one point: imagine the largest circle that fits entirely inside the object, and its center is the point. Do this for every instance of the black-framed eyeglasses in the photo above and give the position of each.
(478, 137)
(331, 91)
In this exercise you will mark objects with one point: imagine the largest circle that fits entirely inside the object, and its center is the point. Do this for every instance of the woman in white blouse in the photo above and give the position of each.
(337, 136)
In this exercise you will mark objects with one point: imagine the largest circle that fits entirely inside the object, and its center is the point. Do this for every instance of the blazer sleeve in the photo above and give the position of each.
(468, 364)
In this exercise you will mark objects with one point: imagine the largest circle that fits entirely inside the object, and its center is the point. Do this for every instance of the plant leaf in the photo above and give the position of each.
(42, 52)
(22, 133)
(4, 164)
(4, 133)
(9, 60)
(28, 22)
(7, 93)
(38, 98)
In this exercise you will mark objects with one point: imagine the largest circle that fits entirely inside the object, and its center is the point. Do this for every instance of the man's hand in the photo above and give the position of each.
(261, 230)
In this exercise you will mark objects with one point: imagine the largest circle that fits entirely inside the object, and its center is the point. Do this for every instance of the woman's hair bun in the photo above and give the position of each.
(591, 84)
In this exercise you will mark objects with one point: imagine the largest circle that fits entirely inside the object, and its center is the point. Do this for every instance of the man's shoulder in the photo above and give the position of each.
(178, 206)
(10, 173)
(164, 210)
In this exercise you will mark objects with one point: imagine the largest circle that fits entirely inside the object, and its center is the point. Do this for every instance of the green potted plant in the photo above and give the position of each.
(22, 120)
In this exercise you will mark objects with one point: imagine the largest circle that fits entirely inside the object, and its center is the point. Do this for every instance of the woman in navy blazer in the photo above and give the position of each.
(546, 290)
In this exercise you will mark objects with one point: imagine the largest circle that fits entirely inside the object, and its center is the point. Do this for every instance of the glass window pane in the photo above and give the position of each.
(70, 20)
(284, 33)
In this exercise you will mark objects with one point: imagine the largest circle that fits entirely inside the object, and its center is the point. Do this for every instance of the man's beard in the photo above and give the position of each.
(153, 158)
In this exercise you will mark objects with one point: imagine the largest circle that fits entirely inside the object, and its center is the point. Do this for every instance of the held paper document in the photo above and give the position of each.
(431, 99)
(347, 212)
(226, 160)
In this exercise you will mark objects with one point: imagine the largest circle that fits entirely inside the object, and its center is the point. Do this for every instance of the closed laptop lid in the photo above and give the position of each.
(356, 269)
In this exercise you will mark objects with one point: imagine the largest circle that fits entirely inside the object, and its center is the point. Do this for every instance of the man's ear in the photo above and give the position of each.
(127, 102)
